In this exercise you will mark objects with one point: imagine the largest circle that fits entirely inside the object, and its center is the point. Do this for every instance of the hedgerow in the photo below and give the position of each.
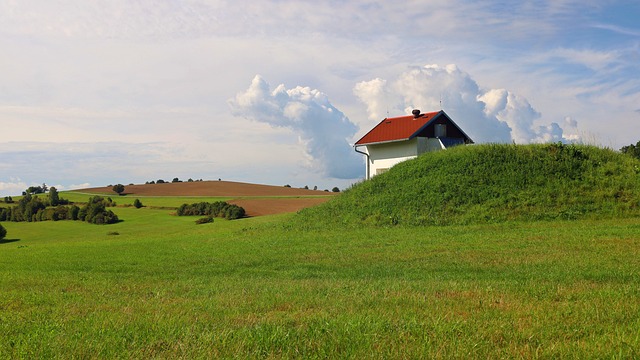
(219, 209)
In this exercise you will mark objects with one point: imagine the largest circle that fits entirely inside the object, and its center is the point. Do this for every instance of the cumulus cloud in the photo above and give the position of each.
(321, 128)
(495, 115)
(14, 186)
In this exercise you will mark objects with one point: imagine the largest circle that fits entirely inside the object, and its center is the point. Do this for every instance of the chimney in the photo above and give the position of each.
(416, 113)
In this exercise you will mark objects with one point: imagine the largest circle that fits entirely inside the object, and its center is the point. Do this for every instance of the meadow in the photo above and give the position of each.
(366, 275)
(167, 288)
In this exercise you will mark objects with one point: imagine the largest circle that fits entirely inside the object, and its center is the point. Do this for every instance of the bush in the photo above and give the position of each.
(216, 209)
(204, 220)
(137, 203)
(3, 232)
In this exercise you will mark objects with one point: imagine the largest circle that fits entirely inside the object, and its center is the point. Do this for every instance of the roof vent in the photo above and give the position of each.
(416, 113)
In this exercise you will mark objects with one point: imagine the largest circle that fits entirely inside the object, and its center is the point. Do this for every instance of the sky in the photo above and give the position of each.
(276, 92)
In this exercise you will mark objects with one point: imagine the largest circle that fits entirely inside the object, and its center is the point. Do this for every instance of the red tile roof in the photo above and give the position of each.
(398, 128)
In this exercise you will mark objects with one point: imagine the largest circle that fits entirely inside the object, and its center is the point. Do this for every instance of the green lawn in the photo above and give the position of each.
(167, 288)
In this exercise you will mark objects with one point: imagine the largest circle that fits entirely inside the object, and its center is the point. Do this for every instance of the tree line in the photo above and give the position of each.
(31, 208)
(219, 209)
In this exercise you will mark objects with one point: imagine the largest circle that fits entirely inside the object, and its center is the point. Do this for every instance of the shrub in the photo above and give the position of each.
(215, 209)
(137, 203)
(204, 220)
(3, 232)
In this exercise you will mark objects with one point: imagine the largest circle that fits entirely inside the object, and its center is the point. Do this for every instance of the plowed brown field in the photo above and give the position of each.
(256, 199)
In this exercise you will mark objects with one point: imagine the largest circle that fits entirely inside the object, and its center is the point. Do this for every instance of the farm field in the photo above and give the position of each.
(256, 199)
(259, 287)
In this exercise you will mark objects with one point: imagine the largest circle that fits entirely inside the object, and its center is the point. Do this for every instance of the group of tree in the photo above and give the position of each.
(306, 187)
(32, 208)
(175, 180)
(633, 150)
(33, 190)
(219, 209)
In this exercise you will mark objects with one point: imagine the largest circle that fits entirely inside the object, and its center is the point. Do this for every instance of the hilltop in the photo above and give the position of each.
(492, 183)
(209, 188)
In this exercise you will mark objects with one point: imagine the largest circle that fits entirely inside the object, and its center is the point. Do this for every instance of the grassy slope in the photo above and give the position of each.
(492, 183)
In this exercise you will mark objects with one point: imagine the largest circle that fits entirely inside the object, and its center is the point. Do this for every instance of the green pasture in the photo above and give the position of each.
(264, 288)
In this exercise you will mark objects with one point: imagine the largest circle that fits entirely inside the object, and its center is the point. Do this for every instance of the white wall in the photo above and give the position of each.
(384, 156)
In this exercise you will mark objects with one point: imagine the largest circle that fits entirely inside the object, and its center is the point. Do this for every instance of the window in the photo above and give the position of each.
(441, 130)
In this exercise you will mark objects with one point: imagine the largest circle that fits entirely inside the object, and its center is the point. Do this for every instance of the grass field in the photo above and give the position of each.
(490, 251)
(166, 288)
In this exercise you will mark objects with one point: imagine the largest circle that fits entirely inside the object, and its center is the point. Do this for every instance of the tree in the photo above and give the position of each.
(118, 188)
(633, 150)
(335, 189)
(175, 180)
(137, 203)
(95, 212)
(3, 232)
(34, 190)
(54, 198)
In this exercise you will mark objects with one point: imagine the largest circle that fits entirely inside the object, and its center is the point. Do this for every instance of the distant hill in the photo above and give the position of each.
(209, 188)
(492, 183)
(256, 199)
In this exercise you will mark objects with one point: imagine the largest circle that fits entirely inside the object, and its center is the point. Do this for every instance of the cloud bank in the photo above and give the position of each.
(321, 128)
(495, 115)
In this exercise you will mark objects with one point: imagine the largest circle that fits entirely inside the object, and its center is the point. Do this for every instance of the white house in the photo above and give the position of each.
(401, 138)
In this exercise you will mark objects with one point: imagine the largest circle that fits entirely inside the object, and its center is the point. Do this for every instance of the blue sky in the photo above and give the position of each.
(96, 93)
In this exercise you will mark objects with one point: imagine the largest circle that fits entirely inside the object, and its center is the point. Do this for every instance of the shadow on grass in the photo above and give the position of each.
(6, 241)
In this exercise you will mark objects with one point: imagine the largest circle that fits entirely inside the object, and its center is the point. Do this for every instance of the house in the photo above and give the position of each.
(401, 138)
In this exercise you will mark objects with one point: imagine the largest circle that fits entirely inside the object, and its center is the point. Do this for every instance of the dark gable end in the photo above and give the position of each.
(453, 130)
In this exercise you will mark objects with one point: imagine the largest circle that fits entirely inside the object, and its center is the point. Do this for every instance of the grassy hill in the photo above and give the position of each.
(492, 183)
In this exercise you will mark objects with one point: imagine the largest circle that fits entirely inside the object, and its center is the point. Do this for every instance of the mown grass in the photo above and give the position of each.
(261, 287)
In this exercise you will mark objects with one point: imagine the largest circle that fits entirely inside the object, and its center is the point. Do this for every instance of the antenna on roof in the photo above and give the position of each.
(441, 100)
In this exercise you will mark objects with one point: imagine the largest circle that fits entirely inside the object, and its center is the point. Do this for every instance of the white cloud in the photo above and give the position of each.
(11, 188)
(323, 129)
(496, 115)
